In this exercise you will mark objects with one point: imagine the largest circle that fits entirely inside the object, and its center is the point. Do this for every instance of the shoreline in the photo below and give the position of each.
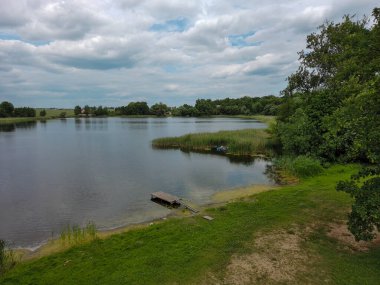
(220, 198)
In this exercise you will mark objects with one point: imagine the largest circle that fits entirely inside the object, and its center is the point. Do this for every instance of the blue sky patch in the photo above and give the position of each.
(175, 25)
(240, 40)
(14, 37)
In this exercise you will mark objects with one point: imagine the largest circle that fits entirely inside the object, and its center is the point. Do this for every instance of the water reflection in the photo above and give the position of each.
(104, 170)
(14, 126)
(100, 124)
(241, 159)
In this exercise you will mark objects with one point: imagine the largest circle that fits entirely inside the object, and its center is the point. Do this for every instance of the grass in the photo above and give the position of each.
(54, 113)
(50, 114)
(262, 118)
(74, 235)
(240, 142)
(187, 250)
(300, 166)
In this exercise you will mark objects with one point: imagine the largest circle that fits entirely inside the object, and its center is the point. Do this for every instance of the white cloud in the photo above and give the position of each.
(68, 52)
(171, 87)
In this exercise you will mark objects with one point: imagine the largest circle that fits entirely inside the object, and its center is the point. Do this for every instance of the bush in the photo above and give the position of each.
(43, 113)
(300, 166)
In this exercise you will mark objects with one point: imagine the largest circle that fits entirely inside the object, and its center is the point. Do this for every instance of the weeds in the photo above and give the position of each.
(7, 258)
(74, 235)
(300, 166)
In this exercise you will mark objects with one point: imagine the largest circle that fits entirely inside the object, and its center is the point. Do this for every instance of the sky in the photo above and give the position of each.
(110, 53)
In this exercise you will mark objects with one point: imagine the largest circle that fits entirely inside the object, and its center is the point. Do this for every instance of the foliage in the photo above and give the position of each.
(94, 111)
(266, 105)
(24, 112)
(133, 108)
(300, 166)
(159, 109)
(185, 111)
(6, 109)
(62, 115)
(43, 113)
(325, 99)
(364, 219)
(77, 110)
(86, 110)
(331, 108)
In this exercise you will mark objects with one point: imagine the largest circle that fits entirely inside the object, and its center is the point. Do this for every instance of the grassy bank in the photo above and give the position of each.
(50, 114)
(247, 232)
(54, 113)
(240, 142)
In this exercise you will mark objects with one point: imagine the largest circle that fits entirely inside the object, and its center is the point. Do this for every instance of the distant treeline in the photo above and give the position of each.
(267, 105)
(8, 110)
(93, 111)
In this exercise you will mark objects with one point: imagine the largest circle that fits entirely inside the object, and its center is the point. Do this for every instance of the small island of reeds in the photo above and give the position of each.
(254, 142)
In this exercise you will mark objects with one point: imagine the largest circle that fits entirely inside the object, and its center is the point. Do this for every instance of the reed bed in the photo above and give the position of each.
(73, 235)
(239, 142)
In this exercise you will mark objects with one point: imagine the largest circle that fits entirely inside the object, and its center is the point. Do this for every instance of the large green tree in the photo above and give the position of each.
(332, 110)
(159, 109)
(335, 92)
(6, 109)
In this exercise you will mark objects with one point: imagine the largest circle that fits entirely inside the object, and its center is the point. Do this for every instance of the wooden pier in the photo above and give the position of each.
(166, 198)
(171, 200)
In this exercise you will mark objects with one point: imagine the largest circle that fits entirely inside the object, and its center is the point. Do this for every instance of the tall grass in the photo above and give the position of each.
(300, 166)
(7, 258)
(240, 142)
(74, 235)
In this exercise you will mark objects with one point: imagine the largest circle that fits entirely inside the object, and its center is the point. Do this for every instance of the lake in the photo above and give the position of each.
(103, 170)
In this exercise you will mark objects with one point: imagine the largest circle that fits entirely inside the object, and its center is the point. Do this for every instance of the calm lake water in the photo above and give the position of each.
(103, 170)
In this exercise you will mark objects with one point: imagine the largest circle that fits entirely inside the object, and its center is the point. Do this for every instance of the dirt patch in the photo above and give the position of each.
(277, 257)
(238, 193)
(341, 233)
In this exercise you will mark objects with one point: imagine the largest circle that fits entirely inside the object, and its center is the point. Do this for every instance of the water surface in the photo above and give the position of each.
(103, 170)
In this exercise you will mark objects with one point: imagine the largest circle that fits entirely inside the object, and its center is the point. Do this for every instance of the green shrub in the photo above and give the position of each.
(300, 166)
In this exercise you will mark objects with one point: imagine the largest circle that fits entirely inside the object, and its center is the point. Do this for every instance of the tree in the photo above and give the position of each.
(185, 111)
(77, 110)
(86, 110)
(332, 110)
(24, 112)
(100, 111)
(338, 69)
(6, 109)
(43, 113)
(159, 109)
(205, 107)
(364, 219)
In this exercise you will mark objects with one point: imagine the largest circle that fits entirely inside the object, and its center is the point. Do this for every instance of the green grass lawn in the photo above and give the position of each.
(54, 113)
(50, 114)
(187, 250)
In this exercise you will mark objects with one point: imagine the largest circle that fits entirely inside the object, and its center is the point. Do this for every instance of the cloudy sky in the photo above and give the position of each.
(104, 52)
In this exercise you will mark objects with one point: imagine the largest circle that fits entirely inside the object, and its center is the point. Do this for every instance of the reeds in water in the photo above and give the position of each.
(240, 142)
(73, 235)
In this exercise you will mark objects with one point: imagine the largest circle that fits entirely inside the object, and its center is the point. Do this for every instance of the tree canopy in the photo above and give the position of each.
(331, 109)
